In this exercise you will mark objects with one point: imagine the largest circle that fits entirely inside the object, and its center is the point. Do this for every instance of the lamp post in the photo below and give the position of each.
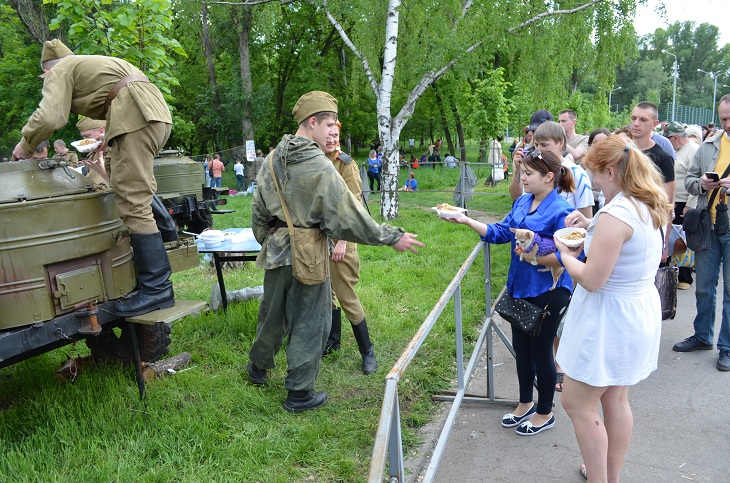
(609, 99)
(714, 92)
(675, 74)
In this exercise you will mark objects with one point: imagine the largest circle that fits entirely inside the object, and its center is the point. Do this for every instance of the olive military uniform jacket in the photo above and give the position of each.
(80, 84)
(316, 196)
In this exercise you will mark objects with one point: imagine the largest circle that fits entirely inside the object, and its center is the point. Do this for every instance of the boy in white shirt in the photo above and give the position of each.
(550, 136)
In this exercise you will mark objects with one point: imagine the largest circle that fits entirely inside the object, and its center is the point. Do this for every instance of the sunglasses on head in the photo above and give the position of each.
(536, 154)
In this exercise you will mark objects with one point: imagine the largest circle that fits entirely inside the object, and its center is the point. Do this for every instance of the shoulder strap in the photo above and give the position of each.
(346, 158)
(289, 224)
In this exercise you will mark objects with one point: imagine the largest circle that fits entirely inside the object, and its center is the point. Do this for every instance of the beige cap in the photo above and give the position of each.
(313, 102)
(87, 124)
(54, 49)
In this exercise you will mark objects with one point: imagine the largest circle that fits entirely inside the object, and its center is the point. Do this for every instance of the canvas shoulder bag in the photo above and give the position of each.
(309, 247)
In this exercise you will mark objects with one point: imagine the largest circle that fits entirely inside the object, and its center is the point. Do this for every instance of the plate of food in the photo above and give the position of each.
(446, 210)
(86, 145)
(571, 237)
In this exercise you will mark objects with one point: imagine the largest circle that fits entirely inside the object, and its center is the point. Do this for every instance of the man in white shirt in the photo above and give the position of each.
(550, 136)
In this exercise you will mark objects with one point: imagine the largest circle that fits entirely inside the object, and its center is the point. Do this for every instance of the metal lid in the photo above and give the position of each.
(172, 156)
(35, 179)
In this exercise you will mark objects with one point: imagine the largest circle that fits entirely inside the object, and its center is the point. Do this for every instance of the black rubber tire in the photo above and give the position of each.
(153, 340)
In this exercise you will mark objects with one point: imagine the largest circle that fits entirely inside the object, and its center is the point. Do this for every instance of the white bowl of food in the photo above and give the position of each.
(445, 210)
(211, 238)
(86, 145)
(571, 237)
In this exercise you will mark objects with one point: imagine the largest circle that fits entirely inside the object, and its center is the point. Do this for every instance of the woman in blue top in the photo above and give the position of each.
(374, 164)
(542, 210)
(411, 183)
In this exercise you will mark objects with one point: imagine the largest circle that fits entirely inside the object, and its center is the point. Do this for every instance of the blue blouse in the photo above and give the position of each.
(374, 165)
(524, 279)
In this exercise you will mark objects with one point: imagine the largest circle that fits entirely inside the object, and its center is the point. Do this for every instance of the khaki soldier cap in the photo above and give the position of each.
(54, 49)
(87, 124)
(313, 102)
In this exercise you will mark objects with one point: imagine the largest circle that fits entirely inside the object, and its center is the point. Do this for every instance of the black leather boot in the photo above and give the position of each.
(153, 273)
(333, 341)
(369, 364)
(299, 401)
(164, 221)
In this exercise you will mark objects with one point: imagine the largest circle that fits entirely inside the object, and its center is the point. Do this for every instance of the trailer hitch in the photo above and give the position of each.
(88, 322)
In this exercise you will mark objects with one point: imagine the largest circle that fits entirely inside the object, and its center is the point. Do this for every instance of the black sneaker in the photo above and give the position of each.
(299, 401)
(257, 375)
(723, 362)
(692, 344)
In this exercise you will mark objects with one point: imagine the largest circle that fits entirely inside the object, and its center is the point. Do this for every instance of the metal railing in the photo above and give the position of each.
(388, 439)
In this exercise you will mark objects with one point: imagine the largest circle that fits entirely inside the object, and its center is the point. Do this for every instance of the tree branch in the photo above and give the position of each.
(346, 39)
(464, 10)
(430, 77)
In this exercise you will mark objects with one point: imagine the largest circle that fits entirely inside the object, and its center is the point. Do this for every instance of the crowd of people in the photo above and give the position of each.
(629, 189)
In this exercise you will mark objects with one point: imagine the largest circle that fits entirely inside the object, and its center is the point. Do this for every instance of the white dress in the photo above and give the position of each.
(611, 336)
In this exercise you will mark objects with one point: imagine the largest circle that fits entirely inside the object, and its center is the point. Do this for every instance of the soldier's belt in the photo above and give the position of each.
(121, 85)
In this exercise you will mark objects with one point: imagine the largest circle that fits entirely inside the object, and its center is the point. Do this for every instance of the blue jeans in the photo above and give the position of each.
(241, 182)
(707, 265)
(215, 182)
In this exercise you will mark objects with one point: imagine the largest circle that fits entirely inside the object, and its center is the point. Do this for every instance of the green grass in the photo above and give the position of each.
(208, 423)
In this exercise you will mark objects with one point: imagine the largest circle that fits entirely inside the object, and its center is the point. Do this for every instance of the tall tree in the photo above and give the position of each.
(429, 57)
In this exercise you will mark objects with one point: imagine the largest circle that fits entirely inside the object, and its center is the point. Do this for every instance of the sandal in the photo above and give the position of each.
(583, 471)
(559, 382)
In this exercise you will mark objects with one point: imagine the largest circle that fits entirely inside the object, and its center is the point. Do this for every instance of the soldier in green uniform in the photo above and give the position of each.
(345, 267)
(289, 307)
(138, 124)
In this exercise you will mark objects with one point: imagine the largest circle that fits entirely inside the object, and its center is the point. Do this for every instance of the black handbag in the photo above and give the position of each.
(666, 281)
(522, 314)
(697, 226)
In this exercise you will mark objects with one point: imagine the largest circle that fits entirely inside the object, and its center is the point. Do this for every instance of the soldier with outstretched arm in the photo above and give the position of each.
(317, 198)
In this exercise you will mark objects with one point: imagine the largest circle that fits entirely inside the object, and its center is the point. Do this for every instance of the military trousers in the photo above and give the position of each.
(344, 275)
(131, 174)
(300, 312)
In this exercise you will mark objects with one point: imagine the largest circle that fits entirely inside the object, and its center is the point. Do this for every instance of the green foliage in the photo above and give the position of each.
(134, 31)
(488, 109)
(19, 90)
(648, 75)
